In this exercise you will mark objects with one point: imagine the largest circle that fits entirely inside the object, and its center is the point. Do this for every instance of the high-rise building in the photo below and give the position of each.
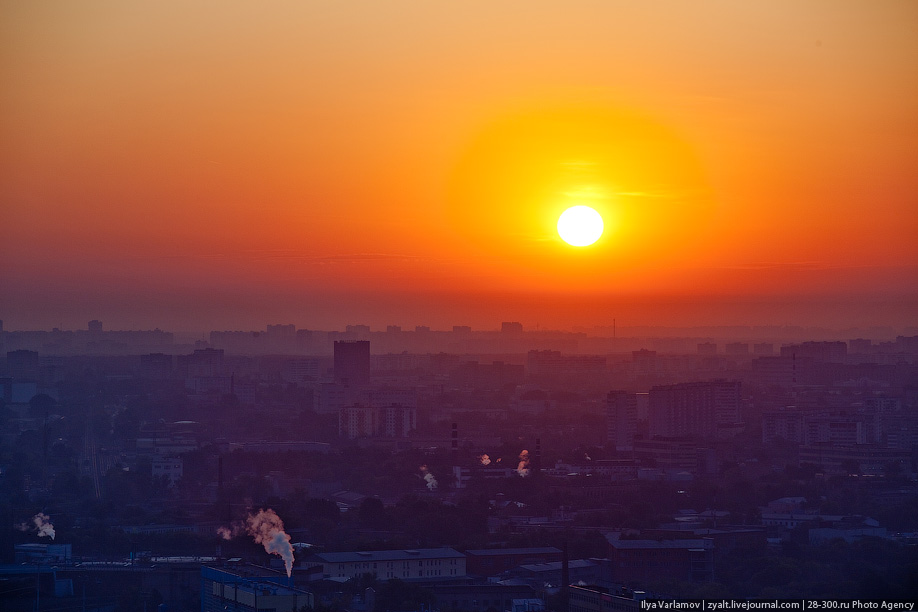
(707, 348)
(621, 420)
(736, 348)
(352, 362)
(693, 409)
(281, 338)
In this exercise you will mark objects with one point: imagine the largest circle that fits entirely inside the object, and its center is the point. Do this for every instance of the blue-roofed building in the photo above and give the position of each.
(250, 589)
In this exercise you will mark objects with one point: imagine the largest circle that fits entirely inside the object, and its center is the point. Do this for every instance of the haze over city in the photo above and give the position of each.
(593, 306)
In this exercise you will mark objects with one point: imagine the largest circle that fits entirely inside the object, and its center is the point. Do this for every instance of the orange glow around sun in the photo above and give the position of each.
(522, 172)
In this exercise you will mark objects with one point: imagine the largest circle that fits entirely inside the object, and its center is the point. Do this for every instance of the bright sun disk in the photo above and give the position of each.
(580, 226)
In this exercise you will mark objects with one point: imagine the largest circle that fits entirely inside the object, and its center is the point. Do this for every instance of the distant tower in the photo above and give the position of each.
(565, 579)
(537, 460)
(352, 362)
(454, 444)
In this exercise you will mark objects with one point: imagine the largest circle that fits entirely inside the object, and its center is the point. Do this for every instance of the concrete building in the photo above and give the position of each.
(361, 421)
(169, 467)
(482, 597)
(737, 349)
(621, 420)
(599, 599)
(425, 564)
(707, 348)
(300, 370)
(831, 352)
(494, 561)
(647, 561)
(352, 362)
(250, 589)
(696, 409)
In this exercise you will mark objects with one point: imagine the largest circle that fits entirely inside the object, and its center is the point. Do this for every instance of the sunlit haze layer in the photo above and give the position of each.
(202, 165)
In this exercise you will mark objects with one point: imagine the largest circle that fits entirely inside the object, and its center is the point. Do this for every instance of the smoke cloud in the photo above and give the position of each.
(268, 530)
(523, 467)
(41, 523)
(484, 459)
(226, 533)
(429, 478)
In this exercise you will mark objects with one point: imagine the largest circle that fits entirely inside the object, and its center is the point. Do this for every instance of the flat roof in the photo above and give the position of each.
(390, 555)
(494, 552)
(643, 544)
(555, 566)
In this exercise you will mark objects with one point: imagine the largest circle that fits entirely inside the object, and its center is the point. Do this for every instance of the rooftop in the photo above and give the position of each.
(389, 555)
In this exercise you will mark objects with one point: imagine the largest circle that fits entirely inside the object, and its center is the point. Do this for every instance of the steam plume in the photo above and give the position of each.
(41, 523)
(523, 467)
(268, 530)
(485, 460)
(226, 533)
(429, 478)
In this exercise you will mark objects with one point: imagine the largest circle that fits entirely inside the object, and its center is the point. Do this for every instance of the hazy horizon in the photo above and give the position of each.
(176, 166)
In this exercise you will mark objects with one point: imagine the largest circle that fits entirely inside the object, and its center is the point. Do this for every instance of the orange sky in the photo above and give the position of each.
(229, 164)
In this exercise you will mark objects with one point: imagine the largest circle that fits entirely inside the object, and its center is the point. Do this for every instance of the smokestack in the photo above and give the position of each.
(454, 445)
(223, 504)
(565, 579)
(537, 459)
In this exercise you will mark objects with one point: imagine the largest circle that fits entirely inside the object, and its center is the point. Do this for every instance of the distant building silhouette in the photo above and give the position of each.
(707, 348)
(95, 327)
(694, 409)
(737, 348)
(511, 328)
(826, 352)
(621, 420)
(281, 338)
(352, 362)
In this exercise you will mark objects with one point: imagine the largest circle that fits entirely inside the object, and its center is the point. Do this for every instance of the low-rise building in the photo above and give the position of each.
(417, 564)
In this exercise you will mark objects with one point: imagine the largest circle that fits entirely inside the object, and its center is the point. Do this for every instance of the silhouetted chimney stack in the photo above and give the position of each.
(565, 579)
(454, 444)
(537, 458)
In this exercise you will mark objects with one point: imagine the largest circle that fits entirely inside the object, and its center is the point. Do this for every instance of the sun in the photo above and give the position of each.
(580, 226)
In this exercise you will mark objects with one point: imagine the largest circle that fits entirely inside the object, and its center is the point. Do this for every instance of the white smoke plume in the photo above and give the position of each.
(523, 467)
(484, 459)
(226, 533)
(429, 478)
(41, 523)
(268, 530)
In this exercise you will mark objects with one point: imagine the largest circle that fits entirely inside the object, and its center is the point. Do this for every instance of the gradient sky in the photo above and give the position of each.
(222, 165)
